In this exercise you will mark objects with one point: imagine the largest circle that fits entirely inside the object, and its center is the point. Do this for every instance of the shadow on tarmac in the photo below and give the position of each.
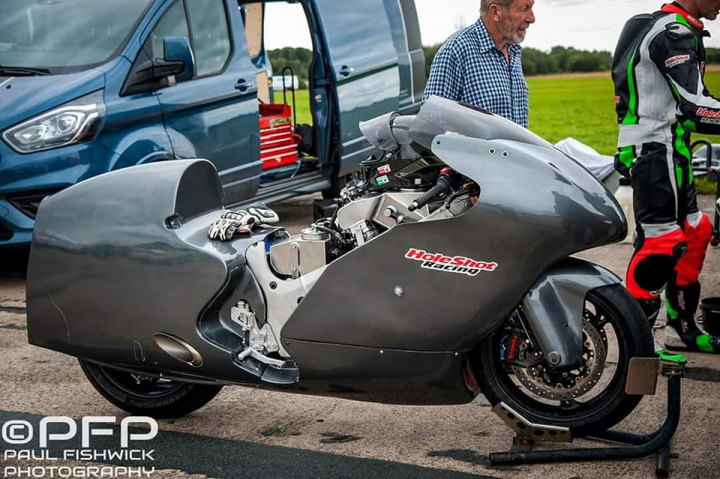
(14, 261)
(231, 459)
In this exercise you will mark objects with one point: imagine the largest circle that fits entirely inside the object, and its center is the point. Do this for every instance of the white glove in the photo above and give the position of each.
(263, 214)
(228, 225)
(241, 222)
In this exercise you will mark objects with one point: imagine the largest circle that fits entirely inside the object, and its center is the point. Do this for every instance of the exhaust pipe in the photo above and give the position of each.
(178, 349)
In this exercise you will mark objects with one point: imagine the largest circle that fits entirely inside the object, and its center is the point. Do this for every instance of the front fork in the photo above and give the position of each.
(554, 308)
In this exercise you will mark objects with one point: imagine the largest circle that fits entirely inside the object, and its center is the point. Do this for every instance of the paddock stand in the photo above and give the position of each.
(642, 379)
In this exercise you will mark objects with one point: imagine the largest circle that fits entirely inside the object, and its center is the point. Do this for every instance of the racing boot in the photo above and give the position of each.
(651, 308)
(681, 331)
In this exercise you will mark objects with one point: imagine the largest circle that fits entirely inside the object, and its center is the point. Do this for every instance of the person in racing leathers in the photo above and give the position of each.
(660, 98)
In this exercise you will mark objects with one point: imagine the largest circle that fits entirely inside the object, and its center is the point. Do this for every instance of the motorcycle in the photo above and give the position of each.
(445, 272)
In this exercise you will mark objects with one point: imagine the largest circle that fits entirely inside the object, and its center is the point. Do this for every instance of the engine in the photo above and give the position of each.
(372, 204)
(400, 186)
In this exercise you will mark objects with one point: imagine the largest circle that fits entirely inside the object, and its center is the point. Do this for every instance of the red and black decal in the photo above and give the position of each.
(450, 264)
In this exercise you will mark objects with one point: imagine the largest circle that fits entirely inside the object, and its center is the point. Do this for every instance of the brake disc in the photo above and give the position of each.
(567, 385)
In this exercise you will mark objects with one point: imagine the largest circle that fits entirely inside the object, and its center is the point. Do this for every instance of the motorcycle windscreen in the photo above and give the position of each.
(444, 285)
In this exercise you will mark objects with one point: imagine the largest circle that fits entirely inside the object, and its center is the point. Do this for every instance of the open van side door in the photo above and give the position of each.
(411, 58)
(364, 62)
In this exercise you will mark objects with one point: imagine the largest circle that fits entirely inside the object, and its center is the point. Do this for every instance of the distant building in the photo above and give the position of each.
(290, 82)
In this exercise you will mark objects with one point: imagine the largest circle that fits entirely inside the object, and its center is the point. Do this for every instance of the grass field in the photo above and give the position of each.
(560, 106)
(582, 107)
(579, 106)
(302, 105)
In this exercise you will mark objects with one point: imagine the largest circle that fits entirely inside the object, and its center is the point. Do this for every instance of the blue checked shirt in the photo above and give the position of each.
(469, 69)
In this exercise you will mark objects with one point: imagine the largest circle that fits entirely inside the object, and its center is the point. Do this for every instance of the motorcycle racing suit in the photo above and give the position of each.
(660, 98)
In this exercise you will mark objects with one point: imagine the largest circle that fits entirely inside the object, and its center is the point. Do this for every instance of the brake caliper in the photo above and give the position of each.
(512, 346)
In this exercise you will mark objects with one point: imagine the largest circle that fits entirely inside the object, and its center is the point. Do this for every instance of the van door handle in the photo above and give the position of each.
(243, 86)
(346, 71)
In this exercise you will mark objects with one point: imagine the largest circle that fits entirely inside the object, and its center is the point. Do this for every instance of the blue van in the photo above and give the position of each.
(90, 86)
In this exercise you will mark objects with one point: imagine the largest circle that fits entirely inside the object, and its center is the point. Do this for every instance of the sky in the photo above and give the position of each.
(583, 24)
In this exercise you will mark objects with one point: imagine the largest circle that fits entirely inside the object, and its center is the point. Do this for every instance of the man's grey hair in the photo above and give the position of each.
(485, 4)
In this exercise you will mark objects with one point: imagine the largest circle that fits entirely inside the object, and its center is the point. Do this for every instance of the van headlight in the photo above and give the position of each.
(73, 122)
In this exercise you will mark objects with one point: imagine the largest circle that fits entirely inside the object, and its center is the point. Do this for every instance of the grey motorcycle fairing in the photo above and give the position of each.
(536, 207)
(124, 256)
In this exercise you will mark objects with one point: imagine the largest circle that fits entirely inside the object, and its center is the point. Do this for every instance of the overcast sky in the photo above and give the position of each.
(583, 24)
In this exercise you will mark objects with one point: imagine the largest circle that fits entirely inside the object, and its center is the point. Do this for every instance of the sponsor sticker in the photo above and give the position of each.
(279, 121)
(382, 180)
(705, 113)
(384, 170)
(676, 60)
(450, 264)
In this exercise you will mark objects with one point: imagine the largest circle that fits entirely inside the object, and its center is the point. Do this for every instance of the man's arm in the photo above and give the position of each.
(673, 51)
(446, 76)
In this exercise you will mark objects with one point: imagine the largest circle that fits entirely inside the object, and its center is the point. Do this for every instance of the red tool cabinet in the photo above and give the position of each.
(277, 141)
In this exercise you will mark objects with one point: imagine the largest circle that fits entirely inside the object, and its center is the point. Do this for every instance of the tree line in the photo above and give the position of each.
(535, 62)
(298, 59)
(563, 60)
(557, 60)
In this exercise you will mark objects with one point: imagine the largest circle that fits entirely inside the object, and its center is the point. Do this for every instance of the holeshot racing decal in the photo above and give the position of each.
(450, 264)
(708, 116)
(676, 60)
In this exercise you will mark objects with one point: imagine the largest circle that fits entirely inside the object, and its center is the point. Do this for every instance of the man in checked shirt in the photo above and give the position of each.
(480, 65)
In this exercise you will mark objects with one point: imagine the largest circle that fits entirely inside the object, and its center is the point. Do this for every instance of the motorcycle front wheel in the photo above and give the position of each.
(145, 395)
(588, 399)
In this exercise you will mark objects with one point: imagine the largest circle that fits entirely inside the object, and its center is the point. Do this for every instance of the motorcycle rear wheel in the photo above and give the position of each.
(618, 316)
(147, 396)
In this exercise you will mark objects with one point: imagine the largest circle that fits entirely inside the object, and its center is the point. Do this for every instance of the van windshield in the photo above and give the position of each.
(65, 35)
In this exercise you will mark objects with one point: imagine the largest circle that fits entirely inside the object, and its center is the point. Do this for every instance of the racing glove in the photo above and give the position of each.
(230, 224)
(263, 214)
(235, 223)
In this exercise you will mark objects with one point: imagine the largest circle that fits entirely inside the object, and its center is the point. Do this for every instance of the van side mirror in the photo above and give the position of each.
(148, 73)
(177, 54)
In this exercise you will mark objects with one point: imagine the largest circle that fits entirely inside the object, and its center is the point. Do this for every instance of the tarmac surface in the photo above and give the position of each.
(246, 433)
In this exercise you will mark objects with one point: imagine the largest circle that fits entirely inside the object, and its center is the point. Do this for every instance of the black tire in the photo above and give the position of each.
(607, 306)
(146, 396)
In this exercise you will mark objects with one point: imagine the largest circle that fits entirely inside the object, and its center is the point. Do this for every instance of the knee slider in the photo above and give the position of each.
(653, 264)
(654, 271)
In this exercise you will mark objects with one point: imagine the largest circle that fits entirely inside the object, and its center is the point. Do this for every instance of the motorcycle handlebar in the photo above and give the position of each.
(442, 187)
